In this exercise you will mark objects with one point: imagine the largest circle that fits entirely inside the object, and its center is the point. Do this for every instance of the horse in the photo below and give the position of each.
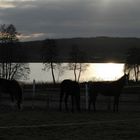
(107, 89)
(70, 88)
(12, 88)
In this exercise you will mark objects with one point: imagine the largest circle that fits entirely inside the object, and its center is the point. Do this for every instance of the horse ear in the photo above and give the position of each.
(127, 76)
(127, 73)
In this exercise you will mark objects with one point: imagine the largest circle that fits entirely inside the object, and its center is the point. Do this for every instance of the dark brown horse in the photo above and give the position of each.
(12, 88)
(107, 89)
(70, 88)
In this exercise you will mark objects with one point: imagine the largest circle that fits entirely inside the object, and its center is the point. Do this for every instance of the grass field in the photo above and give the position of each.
(44, 122)
(53, 125)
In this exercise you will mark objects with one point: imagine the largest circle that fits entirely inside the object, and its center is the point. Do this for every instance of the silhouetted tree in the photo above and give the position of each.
(76, 57)
(9, 70)
(51, 54)
(56, 67)
(133, 62)
(8, 34)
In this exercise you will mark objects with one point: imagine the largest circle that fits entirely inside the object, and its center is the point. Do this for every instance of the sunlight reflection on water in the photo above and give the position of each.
(95, 71)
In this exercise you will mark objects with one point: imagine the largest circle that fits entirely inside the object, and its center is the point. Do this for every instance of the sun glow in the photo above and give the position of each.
(107, 71)
(106, 1)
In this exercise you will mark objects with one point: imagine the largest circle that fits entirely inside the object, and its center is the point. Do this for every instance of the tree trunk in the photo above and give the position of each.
(6, 70)
(135, 72)
(75, 72)
(53, 73)
(80, 70)
(13, 72)
(3, 70)
(10, 70)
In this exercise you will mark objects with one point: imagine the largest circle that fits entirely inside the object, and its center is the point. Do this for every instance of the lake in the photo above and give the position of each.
(95, 71)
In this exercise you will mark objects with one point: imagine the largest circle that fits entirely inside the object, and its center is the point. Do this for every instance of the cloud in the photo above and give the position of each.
(5, 5)
(15, 0)
(74, 18)
(28, 37)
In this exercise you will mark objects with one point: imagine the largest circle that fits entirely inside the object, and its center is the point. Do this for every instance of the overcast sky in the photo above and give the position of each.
(40, 19)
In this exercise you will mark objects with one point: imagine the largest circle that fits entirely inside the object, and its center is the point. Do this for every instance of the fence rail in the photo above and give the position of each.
(49, 97)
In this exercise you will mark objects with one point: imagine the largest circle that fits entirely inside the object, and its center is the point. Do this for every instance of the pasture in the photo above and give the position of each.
(53, 125)
(47, 97)
(40, 118)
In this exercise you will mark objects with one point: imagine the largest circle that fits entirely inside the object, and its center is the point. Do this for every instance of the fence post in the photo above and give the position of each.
(33, 94)
(86, 89)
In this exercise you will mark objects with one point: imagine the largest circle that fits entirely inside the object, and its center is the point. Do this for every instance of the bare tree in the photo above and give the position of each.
(57, 68)
(50, 55)
(76, 57)
(9, 70)
(133, 62)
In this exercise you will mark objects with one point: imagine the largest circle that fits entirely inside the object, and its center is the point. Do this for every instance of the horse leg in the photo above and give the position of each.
(94, 103)
(116, 103)
(18, 98)
(19, 105)
(89, 104)
(12, 99)
(66, 100)
(72, 103)
(109, 103)
(78, 104)
(60, 102)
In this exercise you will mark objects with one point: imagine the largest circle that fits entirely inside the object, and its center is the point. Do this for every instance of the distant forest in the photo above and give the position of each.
(89, 50)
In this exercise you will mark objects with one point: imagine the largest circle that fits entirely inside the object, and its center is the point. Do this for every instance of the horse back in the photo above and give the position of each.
(105, 88)
(70, 87)
(11, 87)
